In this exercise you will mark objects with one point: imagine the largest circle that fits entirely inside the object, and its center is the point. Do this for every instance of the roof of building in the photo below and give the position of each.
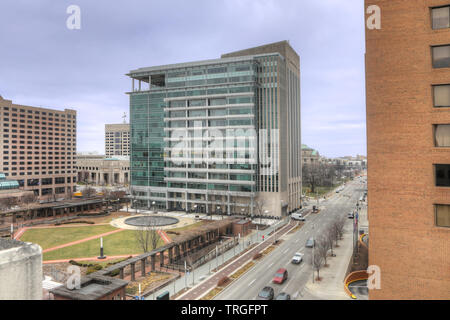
(91, 288)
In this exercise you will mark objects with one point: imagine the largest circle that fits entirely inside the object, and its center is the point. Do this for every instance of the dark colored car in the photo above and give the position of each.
(266, 293)
(283, 296)
(280, 276)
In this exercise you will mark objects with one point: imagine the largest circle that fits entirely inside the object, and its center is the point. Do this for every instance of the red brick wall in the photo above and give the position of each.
(413, 254)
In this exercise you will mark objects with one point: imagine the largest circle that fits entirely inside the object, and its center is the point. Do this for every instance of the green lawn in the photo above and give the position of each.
(121, 243)
(52, 237)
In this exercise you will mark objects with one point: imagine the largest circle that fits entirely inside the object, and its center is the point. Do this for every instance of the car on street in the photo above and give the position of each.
(266, 293)
(280, 276)
(297, 216)
(350, 215)
(309, 243)
(283, 296)
(297, 258)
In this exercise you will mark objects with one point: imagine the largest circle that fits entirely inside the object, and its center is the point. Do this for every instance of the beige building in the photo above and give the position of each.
(38, 148)
(98, 170)
(117, 139)
(309, 155)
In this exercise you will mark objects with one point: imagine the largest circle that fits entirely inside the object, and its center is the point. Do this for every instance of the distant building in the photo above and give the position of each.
(98, 170)
(117, 140)
(10, 188)
(20, 270)
(309, 155)
(38, 148)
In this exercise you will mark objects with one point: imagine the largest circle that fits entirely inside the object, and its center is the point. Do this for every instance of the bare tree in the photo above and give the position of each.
(317, 263)
(28, 200)
(88, 192)
(147, 236)
(8, 202)
(330, 236)
(322, 248)
(259, 206)
(340, 224)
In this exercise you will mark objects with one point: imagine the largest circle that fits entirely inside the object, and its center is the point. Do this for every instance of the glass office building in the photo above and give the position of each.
(218, 136)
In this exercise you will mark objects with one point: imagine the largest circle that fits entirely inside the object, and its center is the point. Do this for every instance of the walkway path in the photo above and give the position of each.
(82, 240)
(164, 236)
(331, 287)
(90, 259)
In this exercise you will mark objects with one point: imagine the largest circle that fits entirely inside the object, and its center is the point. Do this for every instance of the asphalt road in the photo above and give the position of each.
(250, 284)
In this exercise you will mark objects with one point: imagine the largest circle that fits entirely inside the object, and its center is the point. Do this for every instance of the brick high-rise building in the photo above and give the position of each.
(38, 148)
(408, 131)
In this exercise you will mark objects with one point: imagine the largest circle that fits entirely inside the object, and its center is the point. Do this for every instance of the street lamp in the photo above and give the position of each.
(260, 218)
(153, 205)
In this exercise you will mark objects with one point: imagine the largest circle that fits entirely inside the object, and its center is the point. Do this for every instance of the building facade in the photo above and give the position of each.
(101, 171)
(408, 121)
(117, 140)
(38, 148)
(219, 136)
(310, 156)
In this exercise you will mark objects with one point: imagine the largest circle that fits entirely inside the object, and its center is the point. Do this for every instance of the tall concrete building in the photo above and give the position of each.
(219, 136)
(38, 148)
(117, 139)
(408, 131)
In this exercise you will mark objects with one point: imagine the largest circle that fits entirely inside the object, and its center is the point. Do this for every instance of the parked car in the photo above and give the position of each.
(350, 215)
(280, 276)
(298, 257)
(283, 296)
(309, 243)
(266, 293)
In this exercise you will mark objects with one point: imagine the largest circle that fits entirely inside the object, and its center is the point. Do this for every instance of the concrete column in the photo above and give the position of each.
(153, 262)
(143, 267)
(161, 258)
(170, 255)
(228, 204)
(132, 272)
(121, 273)
(14, 218)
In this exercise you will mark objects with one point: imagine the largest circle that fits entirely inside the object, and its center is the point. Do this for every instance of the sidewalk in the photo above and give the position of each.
(331, 287)
(202, 279)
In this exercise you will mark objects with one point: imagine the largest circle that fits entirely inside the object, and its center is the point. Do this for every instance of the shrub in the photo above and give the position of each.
(222, 282)
(257, 256)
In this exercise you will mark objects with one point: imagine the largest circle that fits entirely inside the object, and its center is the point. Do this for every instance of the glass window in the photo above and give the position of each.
(442, 215)
(442, 175)
(197, 113)
(217, 112)
(218, 102)
(441, 56)
(178, 104)
(197, 103)
(441, 17)
(441, 96)
(217, 123)
(217, 70)
(442, 135)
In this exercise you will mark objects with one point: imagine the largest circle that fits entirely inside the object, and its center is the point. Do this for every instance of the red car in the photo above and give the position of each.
(280, 276)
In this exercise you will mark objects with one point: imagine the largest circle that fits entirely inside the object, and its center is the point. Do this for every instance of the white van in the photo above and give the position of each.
(297, 216)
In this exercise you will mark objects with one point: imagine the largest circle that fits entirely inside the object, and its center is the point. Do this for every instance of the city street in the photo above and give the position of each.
(249, 285)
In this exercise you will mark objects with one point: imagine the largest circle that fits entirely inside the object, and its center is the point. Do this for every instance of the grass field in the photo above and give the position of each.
(52, 237)
(121, 243)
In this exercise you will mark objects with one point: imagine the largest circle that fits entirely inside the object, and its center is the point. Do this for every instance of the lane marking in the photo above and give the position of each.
(251, 283)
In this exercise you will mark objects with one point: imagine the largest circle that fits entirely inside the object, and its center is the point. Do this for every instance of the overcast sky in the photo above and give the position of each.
(43, 63)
